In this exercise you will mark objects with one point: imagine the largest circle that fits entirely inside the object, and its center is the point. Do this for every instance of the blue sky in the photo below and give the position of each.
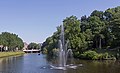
(35, 20)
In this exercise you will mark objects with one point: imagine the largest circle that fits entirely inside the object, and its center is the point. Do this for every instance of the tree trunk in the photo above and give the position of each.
(100, 43)
(96, 43)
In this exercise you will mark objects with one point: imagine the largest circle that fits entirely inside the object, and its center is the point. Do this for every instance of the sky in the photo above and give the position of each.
(35, 20)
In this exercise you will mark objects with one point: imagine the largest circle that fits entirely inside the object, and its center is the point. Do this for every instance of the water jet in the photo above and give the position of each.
(63, 54)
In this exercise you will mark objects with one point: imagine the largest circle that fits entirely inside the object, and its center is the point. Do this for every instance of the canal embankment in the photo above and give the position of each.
(7, 54)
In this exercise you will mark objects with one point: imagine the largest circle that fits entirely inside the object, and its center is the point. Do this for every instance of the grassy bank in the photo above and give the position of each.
(7, 54)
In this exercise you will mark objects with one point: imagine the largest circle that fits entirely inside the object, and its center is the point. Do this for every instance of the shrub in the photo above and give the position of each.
(90, 55)
(45, 51)
(76, 54)
(100, 56)
(105, 55)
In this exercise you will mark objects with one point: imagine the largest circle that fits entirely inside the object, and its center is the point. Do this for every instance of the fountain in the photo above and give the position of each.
(63, 54)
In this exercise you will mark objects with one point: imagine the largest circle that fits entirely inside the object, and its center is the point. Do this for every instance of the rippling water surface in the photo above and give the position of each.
(34, 63)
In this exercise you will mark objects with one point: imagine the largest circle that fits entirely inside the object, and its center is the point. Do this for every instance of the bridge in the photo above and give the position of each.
(32, 51)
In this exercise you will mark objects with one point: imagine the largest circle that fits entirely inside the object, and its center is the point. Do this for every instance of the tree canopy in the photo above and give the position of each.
(11, 40)
(100, 30)
(34, 46)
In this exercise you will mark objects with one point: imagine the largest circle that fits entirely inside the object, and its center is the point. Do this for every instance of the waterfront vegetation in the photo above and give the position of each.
(11, 41)
(91, 37)
(34, 46)
(10, 45)
(96, 56)
(7, 54)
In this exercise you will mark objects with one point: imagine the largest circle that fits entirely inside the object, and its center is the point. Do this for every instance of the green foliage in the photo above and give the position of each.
(11, 40)
(90, 55)
(99, 30)
(44, 51)
(98, 14)
(105, 55)
(33, 46)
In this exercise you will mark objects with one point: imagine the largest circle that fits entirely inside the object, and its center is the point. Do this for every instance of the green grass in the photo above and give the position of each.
(7, 54)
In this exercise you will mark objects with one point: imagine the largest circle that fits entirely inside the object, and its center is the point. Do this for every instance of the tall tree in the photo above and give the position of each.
(97, 13)
(96, 25)
(99, 30)
(115, 28)
(11, 40)
(34, 46)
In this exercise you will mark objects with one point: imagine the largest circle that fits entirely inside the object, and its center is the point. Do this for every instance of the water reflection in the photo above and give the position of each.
(34, 63)
(90, 66)
(11, 64)
(107, 66)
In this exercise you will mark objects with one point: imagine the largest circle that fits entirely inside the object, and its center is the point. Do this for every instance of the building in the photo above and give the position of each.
(25, 46)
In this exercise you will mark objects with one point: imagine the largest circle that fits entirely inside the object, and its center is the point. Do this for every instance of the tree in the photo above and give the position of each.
(99, 14)
(112, 16)
(11, 40)
(34, 46)
(96, 25)
(115, 28)
(73, 33)
(99, 30)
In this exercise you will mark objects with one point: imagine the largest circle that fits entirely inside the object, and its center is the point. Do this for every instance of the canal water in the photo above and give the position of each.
(34, 63)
